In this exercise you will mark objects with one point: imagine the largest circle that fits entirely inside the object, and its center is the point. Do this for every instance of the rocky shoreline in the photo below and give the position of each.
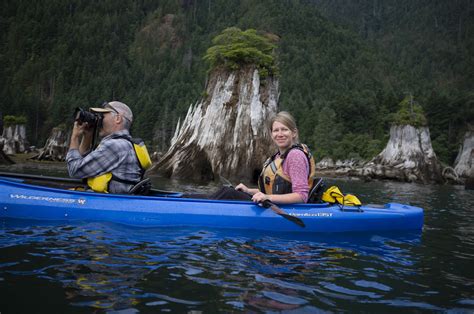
(407, 157)
(357, 169)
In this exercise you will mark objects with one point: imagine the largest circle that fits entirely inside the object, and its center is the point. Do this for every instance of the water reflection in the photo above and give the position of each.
(113, 267)
(85, 267)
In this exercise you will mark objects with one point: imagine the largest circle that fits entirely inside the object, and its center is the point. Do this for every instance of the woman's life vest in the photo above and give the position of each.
(272, 180)
(101, 183)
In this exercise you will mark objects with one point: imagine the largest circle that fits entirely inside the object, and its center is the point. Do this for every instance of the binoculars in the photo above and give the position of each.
(91, 118)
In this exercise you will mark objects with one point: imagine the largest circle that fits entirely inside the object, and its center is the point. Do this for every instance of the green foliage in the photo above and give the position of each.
(357, 146)
(410, 113)
(14, 120)
(62, 126)
(234, 48)
(443, 148)
(449, 120)
(326, 133)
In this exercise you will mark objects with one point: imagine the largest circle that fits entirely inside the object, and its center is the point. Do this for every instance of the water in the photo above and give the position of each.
(100, 267)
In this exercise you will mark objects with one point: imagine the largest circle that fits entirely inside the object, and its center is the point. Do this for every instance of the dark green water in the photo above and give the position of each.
(94, 267)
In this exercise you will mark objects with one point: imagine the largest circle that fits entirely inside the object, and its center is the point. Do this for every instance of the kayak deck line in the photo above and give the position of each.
(27, 201)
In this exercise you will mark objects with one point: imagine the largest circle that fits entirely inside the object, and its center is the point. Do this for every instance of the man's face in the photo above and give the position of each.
(108, 124)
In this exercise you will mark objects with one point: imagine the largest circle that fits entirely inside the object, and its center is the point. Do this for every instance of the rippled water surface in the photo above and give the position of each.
(99, 267)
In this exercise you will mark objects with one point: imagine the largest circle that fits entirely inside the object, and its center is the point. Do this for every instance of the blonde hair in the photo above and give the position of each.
(287, 120)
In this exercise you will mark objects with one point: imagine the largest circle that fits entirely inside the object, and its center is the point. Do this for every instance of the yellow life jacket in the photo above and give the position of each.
(142, 153)
(101, 183)
(273, 180)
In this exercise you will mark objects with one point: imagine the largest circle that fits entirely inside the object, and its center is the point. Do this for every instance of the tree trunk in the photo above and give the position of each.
(226, 133)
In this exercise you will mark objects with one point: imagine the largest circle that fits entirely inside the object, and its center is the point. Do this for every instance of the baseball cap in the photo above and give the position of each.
(117, 107)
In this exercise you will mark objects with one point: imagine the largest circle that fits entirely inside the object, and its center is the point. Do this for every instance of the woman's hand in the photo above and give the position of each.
(260, 197)
(242, 187)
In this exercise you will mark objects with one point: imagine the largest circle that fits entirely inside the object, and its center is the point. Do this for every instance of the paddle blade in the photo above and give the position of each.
(294, 219)
(225, 182)
(280, 212)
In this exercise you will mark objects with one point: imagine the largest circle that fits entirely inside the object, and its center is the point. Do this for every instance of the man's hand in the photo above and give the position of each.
(85, 131)
(82, 129)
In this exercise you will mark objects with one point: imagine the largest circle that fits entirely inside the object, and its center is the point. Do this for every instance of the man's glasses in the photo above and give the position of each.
(106, 105)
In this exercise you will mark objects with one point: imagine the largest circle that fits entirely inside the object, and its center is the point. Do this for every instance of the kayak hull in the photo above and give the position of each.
(25, 201)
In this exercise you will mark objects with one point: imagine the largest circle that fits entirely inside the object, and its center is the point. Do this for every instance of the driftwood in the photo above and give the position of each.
(408, 156)
(226, 133)
(56, 146)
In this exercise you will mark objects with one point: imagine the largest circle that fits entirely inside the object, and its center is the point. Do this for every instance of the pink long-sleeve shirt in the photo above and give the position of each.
(296, 167)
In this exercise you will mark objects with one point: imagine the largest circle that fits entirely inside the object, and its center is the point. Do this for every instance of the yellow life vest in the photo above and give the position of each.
(101, 183)
(142, 154)
(273, 180)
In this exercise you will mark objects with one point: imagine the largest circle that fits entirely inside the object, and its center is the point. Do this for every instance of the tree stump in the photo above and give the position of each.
(14, 139)
(408, 156)
(56, 146)
(226, 133)
(464, 163)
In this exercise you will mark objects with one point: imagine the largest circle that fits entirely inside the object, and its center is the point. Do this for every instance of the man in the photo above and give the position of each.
(114, 166)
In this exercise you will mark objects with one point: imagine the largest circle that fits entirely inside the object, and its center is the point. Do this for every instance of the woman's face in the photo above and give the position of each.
(282, 136)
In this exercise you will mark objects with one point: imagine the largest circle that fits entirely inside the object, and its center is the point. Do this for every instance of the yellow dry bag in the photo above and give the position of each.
(351, 200)
(333, 195)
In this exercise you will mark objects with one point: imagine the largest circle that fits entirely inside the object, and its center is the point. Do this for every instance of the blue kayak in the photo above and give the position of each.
(30, 201)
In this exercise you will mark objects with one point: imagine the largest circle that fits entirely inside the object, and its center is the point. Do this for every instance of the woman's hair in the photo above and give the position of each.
(286, 119)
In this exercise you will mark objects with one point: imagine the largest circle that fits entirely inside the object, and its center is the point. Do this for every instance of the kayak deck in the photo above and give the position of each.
(26, 201)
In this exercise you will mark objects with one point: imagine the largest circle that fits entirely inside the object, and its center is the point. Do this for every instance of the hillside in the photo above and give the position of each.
(431, 45)
(339, 76)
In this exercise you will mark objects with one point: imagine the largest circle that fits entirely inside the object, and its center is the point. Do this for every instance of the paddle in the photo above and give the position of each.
(272, 206)
(40, 177)
(68, 180)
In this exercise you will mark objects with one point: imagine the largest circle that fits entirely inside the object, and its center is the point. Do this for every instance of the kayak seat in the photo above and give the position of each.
(141, 188)
(316, 191)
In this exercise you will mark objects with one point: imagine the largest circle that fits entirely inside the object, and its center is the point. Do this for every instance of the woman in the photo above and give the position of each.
(288, 175)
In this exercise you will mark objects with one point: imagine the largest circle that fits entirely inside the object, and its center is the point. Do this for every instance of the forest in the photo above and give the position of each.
(345, 67)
